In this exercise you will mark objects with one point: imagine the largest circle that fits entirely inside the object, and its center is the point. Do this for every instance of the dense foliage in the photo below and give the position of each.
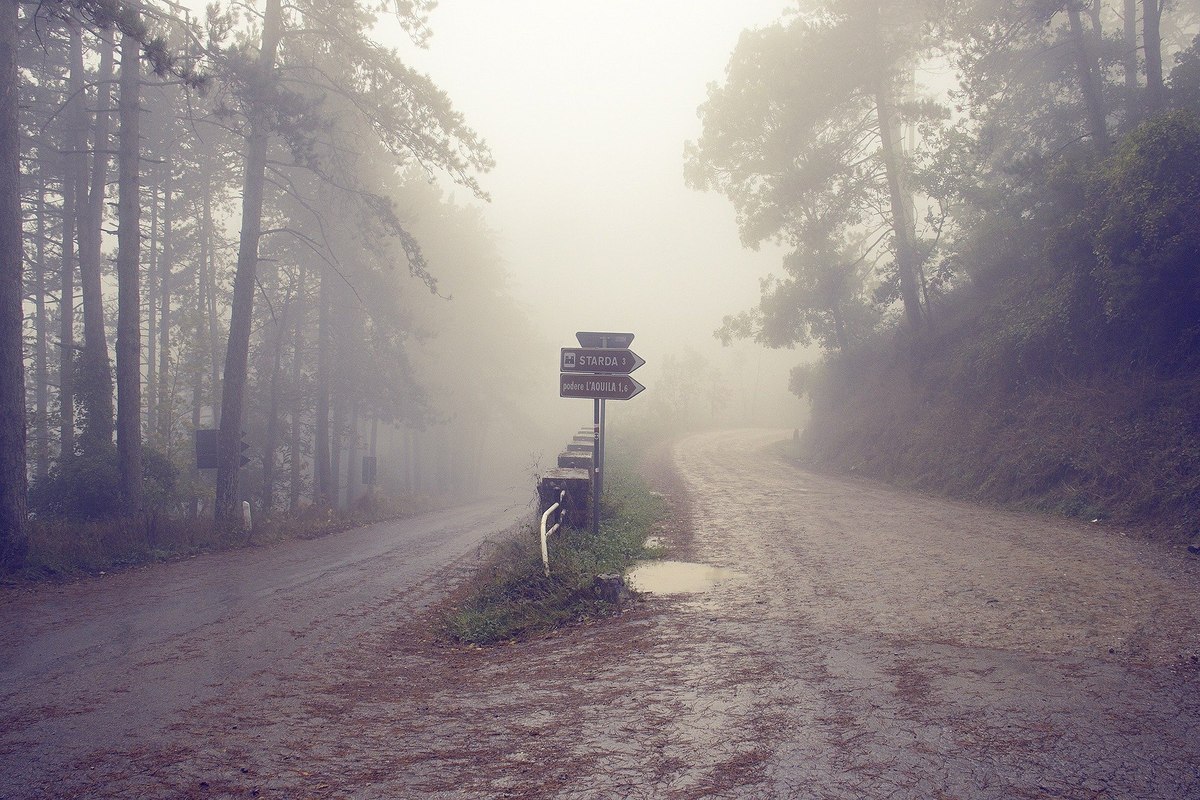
(1051, 194)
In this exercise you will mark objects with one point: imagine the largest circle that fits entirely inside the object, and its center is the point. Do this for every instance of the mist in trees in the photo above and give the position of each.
(914, 154)
(235, 222)
(244, 220)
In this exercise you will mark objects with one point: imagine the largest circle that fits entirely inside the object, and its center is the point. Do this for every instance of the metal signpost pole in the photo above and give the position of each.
(599, 370)
(596, 468)
(600, 449)
(600, 482)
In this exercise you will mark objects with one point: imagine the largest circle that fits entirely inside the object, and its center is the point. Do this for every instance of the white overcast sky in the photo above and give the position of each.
(586, 107)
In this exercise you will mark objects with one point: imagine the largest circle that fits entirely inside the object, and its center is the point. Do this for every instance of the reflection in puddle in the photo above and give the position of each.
(676, 577)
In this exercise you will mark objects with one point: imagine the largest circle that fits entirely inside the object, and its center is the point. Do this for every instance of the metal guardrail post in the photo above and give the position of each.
(562, 496)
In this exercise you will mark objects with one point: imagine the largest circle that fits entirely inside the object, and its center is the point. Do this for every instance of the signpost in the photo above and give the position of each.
(599, 369)
(607, 361)
(207, 449)
(598, 387)
(603, 339)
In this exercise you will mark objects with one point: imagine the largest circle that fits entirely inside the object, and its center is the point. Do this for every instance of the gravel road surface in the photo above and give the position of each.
(96, 672)
(873, 644)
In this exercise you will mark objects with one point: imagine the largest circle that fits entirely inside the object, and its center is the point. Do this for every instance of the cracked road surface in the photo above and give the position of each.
(878, 644)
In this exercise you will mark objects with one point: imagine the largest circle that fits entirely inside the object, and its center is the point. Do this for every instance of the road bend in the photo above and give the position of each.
(872, 643)
(866, 643)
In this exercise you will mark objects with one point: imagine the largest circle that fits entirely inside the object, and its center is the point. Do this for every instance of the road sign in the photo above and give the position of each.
(603, 339)
(599, 387)
(207, 448)
(605, 361)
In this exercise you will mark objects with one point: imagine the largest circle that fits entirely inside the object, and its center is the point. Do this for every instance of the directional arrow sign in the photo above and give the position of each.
(603, 339)
(606, 361)
(600, 387)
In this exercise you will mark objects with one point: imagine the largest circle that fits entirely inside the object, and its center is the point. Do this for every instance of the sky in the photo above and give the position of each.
(586, 107)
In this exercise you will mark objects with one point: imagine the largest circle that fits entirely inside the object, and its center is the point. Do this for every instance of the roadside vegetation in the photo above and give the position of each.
(1064, 377)
(510, 597)
(62, 547)
(1003, 273)
(264, 282)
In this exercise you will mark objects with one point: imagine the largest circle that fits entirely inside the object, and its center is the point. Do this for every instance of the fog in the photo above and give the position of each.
(586, 108)
(342, 270)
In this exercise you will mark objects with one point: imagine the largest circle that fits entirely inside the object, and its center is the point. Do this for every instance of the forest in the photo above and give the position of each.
(234, 222)
(230, 230)
(992, 216)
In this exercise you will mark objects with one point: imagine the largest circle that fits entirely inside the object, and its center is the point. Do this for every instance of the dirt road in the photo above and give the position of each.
(877, 644)
(96, 672)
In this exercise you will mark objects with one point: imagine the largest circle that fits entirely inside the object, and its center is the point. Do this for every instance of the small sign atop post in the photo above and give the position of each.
(603, 339)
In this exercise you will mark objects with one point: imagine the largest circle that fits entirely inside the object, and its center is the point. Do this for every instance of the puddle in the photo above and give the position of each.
(677, 577)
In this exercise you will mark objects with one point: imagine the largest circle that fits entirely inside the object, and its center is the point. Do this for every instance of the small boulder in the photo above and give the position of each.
(610, 587)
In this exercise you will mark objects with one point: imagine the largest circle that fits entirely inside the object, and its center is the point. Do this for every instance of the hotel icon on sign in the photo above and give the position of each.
(568, 361)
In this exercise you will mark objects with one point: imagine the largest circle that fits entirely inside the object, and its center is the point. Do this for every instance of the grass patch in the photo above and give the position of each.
(510, 597)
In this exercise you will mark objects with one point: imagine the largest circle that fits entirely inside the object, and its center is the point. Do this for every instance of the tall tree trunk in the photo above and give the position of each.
(353, 460)
(1156, 93)
(242, 310)
(96, 386)
(336, 438)
(13, 541)
(1129, 60)
(271, 439)
(322, 488)
(295, 448)
(371, 488)
(891, 152)
(152, 319)
(906, 259)
(208, 270)
(1089, 79)
(41, 370)
(198, 368)
(74, 177)
(166, 397)
(129, 293)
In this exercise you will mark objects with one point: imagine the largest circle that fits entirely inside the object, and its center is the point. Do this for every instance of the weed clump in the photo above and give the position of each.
(511, 598)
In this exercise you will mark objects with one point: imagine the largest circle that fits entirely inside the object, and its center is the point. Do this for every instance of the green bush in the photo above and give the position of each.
(1148, 235)
(85, 487)
(88, 486)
